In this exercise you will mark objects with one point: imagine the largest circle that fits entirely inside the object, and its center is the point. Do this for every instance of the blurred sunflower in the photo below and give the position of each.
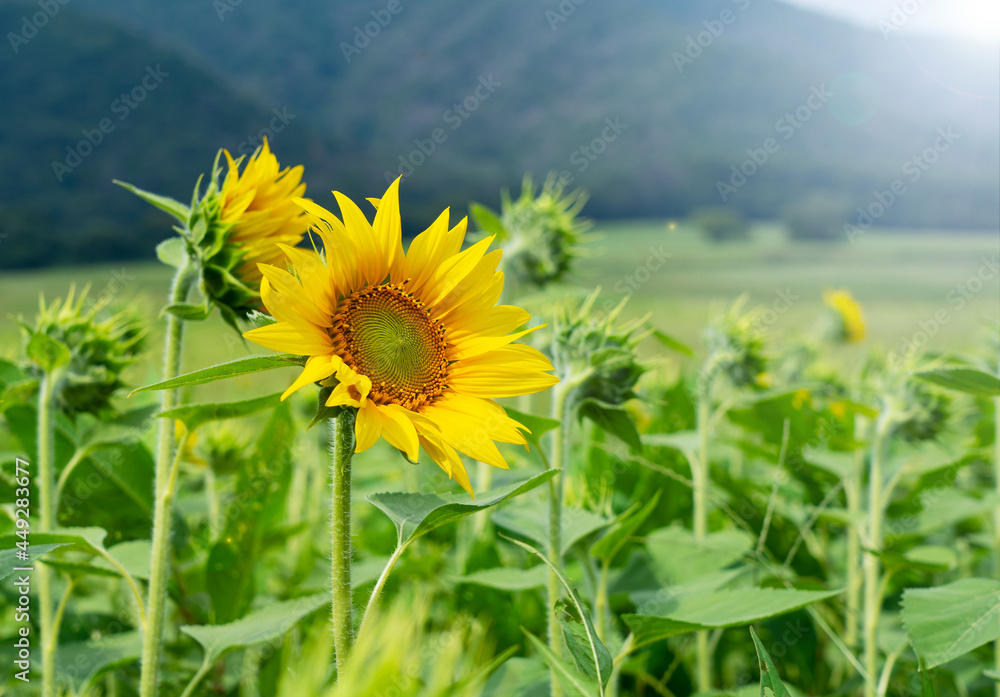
(852, 324)
(414, 341)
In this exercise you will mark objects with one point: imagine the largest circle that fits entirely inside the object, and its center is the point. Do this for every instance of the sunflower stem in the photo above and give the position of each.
(47, 523)
(152, 640)
(873, 590)
(341, 452)
(560, 438)
(699, 479)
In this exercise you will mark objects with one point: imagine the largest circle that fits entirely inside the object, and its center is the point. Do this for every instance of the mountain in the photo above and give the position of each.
(648, 104)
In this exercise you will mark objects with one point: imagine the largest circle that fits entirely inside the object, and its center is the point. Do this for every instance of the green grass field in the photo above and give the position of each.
(901, 281)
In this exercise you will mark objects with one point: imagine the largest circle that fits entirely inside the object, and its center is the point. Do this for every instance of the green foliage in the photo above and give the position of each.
(721, 223)
(949, 621)
(818, 216)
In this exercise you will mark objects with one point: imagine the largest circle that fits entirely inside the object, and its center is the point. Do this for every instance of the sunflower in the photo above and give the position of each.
(852, 322)
(259, 204)
(415, 342)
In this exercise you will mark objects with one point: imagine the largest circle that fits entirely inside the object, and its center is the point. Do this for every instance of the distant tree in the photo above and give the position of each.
(721, 223)
(820, 216)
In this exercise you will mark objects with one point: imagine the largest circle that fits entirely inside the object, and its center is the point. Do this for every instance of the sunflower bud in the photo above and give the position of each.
(736, 349)
(844, 320)
(85, 348)
(541, 235)
(599, 364)
(236, 223)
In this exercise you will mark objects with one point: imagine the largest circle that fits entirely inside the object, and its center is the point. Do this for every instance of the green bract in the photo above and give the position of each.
(541, 235)
(84, 348)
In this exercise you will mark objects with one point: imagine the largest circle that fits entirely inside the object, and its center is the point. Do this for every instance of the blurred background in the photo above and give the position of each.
(729, 146)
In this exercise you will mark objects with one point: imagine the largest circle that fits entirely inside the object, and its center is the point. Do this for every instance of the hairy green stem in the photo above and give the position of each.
(152, 639)
(47, 523)
(853, 573)
(341, 452)
(560, 439)
(873, 591)
(699, 479)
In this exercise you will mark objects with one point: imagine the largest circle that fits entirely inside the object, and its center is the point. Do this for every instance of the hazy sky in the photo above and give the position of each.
(975, 19)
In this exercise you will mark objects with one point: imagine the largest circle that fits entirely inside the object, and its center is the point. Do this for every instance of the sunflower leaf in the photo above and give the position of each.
(538, 425)
(175, 208)
(9, 560)
(768, 673)
(673, 615)
(242, 366)
(189, 311)
(946, 622)
(415, 515)
(194, 415)
(568, 675)
(968, 380)
(589, 652)
(262, 625)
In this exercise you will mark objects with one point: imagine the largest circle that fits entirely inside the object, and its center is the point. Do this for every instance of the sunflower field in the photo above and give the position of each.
(464, 470)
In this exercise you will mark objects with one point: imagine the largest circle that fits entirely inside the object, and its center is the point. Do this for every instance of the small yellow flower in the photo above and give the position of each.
(259, 203)
(415, 341)
(843, 303)
(802, 398)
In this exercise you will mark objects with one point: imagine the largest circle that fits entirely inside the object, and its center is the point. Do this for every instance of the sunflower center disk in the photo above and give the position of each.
(385, 334)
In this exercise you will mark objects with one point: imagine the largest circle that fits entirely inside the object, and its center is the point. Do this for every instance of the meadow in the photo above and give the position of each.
(746, 501)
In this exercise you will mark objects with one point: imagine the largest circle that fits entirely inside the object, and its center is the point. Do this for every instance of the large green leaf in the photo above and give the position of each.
(417, 514)
(89, 540)
(262, 625)
(946, 622)
(84, 662)
(768, 673)
(673, 616)
(678, 557)
(531, 520)
(194, 415)
(568, 675)
(9, 559)
(242, 366)
(968, 380)
(593, 660)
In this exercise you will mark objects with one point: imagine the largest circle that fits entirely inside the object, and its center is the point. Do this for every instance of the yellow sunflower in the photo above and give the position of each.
(844, 304)
(260, 205)
(415, 341)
